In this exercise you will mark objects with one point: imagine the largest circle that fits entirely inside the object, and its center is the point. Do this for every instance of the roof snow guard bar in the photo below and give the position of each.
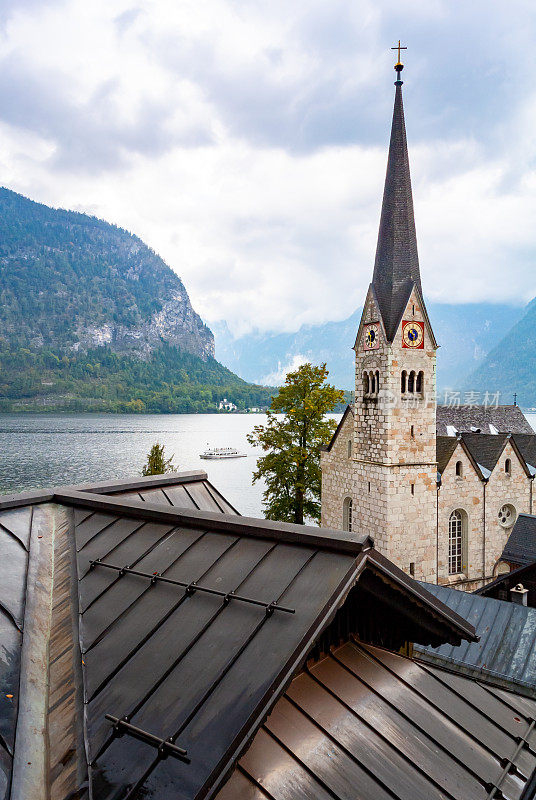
(192, 587)
(165, 747)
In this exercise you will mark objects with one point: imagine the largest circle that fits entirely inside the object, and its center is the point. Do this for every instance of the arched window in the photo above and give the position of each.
(349, 448)
(411, 382)
(508, 466)
(457, 542)
(420, 383)
(372, 383)
(366, 384)
(403, 380)
(347, 514)
(377, 381)
(459, 469)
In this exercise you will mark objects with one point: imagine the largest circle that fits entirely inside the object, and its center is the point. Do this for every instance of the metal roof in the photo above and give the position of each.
(186, 655)
(520, 547)
(15, 527)
(506, 652)
(366, 723)
(181, 489)
(149, 630)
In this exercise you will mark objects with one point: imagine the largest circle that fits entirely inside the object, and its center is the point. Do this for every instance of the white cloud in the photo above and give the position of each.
(246, 141)
(277, 377)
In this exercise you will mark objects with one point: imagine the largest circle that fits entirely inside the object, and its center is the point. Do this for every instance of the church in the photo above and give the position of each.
(439, 488)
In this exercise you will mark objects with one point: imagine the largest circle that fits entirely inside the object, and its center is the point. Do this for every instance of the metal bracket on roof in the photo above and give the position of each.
(508, 764)
(165, 747)
(193, 587)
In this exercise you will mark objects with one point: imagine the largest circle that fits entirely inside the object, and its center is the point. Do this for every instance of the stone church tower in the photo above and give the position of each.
(384, 483)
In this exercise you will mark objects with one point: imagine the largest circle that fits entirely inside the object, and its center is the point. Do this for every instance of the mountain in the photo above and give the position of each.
(73, 281)
(465, 332)
(92, 319)
(511, 365)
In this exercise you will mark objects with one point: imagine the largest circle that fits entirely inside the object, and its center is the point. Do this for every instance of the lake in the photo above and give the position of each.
(54, 449)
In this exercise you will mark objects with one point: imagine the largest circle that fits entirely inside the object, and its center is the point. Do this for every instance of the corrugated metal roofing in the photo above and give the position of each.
(366, 723)
(506, 652)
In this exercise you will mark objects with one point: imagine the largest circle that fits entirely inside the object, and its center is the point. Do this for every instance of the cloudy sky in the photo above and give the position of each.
(245, 140)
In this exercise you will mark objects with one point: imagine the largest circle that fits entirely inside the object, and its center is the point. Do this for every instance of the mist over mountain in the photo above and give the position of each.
(510, 366)
(466, 333)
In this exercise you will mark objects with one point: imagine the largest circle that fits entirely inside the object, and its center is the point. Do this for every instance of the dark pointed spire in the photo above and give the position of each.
(396, 268)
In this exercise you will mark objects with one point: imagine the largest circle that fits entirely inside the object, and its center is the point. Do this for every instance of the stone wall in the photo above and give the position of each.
(395, 447)
(392, 475)
(513, 489)
(337, 478)
(481, 502)
(465, 493)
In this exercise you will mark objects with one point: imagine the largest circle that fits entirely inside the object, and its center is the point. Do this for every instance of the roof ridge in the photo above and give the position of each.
(324, 538)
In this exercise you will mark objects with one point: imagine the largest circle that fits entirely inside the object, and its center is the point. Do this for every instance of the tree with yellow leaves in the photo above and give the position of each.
(292, 443)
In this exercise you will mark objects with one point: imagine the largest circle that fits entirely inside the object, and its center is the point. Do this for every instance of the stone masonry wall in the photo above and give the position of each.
(502, 488)
(395, 452)
(392, 475)
(337, 477)
(465, 493)
(481, 503)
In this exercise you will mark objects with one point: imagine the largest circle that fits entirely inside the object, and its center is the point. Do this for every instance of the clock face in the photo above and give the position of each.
(371, 337)
(412, 334)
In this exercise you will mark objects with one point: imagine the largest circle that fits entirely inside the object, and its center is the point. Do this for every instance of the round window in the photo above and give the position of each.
(507, 515)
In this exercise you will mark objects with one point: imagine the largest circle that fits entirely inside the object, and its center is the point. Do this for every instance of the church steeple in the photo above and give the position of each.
(396, 268)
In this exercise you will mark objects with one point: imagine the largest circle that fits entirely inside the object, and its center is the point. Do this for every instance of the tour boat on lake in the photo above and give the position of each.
(222, 452)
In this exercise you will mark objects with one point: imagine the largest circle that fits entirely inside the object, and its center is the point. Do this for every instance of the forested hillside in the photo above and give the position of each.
(511, 365)
(92, 319)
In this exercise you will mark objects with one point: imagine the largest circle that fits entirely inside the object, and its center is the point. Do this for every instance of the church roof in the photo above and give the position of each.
(396, 268)
(451, 420)
(445, 447)
(526, 444)
(485, 450)
(521, 545)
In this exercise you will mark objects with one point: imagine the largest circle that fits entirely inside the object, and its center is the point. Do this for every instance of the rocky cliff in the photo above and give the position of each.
(71, 282)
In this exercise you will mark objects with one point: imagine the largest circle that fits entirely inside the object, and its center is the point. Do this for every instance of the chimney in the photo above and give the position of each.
(519, 595)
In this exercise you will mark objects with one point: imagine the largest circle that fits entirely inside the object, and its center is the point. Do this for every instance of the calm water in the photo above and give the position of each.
(53, 449)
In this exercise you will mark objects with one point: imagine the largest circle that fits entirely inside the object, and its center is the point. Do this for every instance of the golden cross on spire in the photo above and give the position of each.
(399, 48)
